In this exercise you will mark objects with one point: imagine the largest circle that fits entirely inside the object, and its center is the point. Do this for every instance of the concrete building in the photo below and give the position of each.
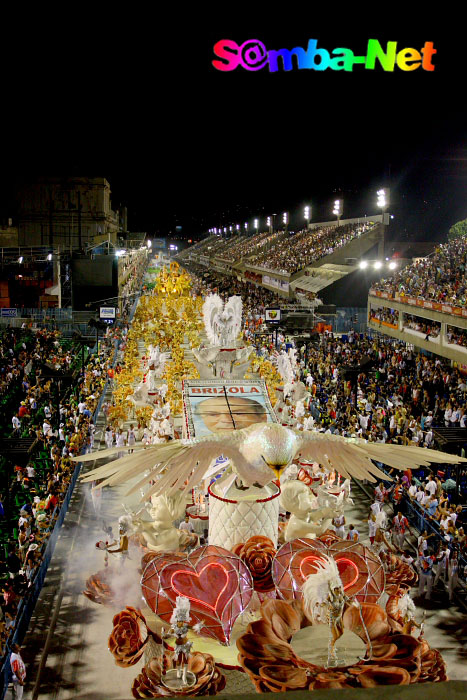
(69, 212)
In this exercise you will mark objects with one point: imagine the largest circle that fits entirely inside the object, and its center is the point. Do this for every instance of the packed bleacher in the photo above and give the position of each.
(58, 419)
(385, 315)
(431, 329)
(290, 254)
(456, 336)
(199, 247)
(243, 247)
(439, 277)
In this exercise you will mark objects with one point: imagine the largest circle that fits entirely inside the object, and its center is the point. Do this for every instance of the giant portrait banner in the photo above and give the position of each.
(214, 405)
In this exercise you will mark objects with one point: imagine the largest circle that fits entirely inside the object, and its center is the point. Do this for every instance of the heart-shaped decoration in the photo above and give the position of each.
(217, 583)
(361, 571)
(198, 587)
(348, 570)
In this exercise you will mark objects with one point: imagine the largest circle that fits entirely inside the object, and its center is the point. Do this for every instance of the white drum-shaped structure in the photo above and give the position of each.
(242, 514)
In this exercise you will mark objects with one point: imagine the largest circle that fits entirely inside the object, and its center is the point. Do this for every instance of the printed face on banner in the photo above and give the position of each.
(214, 410)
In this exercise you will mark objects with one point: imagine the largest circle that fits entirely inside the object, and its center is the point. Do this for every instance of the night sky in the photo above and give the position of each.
(135, 98)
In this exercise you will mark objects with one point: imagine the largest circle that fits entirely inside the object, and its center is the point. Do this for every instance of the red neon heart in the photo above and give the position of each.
(344, 560)
(216, 581)
(352, 565)
(311, 557)
(198, 585)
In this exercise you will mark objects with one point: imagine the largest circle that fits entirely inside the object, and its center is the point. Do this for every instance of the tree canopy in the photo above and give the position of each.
(457, 230)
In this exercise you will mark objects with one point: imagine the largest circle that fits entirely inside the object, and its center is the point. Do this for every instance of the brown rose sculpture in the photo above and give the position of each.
(398, 573)
(273, 666)
(98, 588)
(209, 680)
(258, 553)
(129, 637)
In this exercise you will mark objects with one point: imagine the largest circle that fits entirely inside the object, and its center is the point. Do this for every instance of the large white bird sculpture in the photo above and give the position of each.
(258, 454)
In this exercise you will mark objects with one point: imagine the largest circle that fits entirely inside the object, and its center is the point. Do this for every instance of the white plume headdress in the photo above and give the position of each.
(181, 611)
(381, 519)
(125, 522)
(406, 607)
(317, 588)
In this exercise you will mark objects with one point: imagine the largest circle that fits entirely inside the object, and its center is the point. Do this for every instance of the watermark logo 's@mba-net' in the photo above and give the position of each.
(252, 55)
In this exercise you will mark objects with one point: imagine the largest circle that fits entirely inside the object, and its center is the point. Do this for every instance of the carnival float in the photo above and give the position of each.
(286, 601)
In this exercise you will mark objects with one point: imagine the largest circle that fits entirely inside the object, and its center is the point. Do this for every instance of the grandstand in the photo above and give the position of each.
(429, 296)
(298, 264)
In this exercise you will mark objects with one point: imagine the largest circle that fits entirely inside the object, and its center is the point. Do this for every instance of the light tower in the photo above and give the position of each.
(337, 210)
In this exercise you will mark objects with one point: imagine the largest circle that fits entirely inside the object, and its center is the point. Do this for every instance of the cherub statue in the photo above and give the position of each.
(308, 518)
(159, 533)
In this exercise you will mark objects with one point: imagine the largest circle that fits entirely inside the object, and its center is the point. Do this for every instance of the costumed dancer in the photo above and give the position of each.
(380, 541)
(179, 629)
(109, 437)
(124, 524)
(339, 525)
(401, 526)
(131, 438)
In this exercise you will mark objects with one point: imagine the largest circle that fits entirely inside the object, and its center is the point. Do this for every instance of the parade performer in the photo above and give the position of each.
(124, 525)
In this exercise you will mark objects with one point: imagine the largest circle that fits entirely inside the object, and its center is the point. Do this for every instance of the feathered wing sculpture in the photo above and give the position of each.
(212, 310)
(258, 454)
(284, 367)
(233, 311)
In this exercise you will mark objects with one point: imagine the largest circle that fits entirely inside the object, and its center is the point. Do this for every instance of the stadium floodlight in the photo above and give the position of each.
(20, 259)
(378, 265)
(392, 265)
(225, 229)
(246, 225)
(237, 227)
(256, 224)
(230, 229)
(307, 213)
(363, 264)
(285, 218)
(382, 200)
(337, 210)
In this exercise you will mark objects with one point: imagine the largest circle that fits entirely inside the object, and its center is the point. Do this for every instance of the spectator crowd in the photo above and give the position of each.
(57, 416)
(439, 277)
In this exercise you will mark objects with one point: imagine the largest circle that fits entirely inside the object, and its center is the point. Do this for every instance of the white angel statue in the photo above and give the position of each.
(222, 322)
